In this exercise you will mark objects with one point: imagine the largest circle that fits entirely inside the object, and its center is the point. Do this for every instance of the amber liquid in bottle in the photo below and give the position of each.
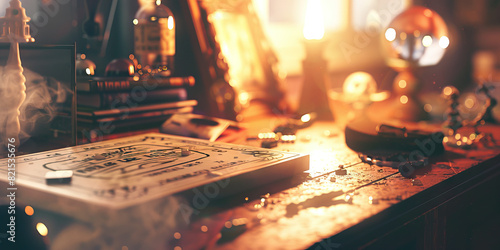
(154, 39)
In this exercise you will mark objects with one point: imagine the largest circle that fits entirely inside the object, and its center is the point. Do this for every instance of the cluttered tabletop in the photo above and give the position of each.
(318, 193)
(194, 141)
(342, 201)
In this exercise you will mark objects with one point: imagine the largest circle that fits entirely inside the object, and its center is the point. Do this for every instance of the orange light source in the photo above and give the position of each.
(42, 229)
(29, 210)
(314, 26)
(403, 99)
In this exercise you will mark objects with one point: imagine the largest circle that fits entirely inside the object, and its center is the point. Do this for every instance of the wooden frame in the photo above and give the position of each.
(50, 106)
(235, 62)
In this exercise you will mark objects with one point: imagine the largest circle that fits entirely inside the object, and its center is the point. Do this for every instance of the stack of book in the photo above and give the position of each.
(121, 104)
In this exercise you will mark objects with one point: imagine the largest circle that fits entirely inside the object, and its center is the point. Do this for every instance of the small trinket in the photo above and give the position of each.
(59, 177)
(372, 200)
(185, 151)
(99, 157)
(269, 143)
(341, 172)
(416, 182)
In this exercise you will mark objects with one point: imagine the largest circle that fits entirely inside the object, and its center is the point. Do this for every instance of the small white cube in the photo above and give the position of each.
(59, 177)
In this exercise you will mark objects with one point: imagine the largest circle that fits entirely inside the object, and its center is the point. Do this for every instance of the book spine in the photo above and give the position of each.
(100, 85)
(116, 100)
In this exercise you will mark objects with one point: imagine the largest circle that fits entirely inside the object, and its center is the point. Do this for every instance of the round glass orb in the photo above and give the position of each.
(416, 37)
(359, 86)
(120, 67)
(84, 66)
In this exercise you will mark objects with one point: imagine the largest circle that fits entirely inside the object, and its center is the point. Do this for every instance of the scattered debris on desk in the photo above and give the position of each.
(372, 200)
(328, 133)
(416, 182)
(341, 171)
(185, 151)
(99, 157)
(348, 198)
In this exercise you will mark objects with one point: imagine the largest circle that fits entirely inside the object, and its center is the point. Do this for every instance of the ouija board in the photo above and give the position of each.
(123, 172)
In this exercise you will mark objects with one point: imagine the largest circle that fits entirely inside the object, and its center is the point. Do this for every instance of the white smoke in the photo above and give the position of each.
(44, 97)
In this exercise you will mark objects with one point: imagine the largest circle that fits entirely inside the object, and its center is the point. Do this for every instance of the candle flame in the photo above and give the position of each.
(314, 26)
(170, 22)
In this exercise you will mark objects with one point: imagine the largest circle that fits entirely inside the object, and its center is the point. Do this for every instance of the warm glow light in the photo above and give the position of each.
(135, 21)
(444, 42)
(390, 34)
(305, 118)
(427, 41)
(314, 26)
(469, 103)
(428, 13)
(358, 84)
(244, 98)
(42, 229)
(131, 69)
(177, 235)
(403, 36)
(428, 108)
(88, 71)
(447, 91)
(403, 99)
(158, 2)
(170, 22)
(153, 18)
(29, 210)
(402, 84)
(204, 229)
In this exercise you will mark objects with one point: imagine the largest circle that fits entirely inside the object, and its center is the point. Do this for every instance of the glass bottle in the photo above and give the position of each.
(154, 38)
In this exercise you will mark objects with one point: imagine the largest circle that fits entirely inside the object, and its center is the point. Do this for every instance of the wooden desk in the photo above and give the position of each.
(453, 203)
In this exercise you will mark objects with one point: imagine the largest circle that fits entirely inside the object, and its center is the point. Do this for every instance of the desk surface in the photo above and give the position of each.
(336, 209)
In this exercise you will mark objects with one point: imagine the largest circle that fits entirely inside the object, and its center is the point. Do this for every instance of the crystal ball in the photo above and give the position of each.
(120, 68)
(84, 66)
(417, 37)
(359, 85)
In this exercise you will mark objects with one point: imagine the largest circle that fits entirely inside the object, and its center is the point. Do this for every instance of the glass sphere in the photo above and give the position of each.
(415, 38)
(359, 85)
(84, 66)
(120, 68)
